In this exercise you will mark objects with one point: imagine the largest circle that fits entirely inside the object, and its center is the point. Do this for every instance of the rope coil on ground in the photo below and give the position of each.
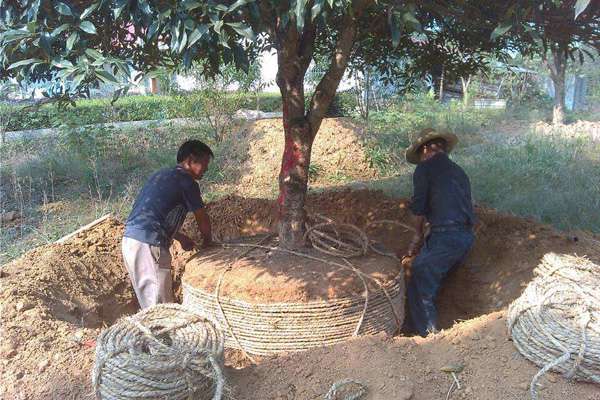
(164, 352)
(556, 321)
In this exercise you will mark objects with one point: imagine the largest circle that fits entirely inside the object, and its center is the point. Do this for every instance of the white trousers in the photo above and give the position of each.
(149, 269)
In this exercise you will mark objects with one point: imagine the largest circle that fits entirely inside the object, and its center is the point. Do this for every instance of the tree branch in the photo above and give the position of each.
(325, 90)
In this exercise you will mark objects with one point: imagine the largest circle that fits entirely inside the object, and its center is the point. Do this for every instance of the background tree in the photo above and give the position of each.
(118, 41)
(557, 30)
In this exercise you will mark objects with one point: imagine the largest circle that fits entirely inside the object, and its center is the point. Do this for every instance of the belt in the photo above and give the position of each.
(451, 228)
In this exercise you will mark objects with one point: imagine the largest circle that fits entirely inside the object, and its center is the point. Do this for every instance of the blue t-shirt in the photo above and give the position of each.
(161, 207)
(442, 192)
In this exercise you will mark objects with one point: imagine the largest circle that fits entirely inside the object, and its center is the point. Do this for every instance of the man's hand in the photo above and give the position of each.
(186, 243)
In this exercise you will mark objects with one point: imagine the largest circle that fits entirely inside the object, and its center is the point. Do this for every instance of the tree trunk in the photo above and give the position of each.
(293, 181)
(465, 88)
(558, 68)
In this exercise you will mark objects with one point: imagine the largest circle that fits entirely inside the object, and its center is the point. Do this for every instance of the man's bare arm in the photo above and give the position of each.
(203, 221)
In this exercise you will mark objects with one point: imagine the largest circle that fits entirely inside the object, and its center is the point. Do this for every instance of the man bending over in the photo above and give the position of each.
(157, 215)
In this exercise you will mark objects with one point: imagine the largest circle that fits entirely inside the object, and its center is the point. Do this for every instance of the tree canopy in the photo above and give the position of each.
(83, 42)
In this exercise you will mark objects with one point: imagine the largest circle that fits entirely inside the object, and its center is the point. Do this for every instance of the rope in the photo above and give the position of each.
(556, 321)
(162, 352)
(266, 329)
(346, 389)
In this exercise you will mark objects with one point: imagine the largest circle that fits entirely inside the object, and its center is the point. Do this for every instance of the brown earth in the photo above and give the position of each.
(337, 156)
(55, 299)
(265, 276)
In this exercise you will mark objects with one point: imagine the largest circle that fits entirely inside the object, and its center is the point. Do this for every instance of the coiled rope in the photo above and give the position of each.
(163, 352)
(556, 321)
(270, 328)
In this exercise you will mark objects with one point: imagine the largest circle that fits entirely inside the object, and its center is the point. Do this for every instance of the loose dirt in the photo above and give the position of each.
(338, 155)
(56, 299)
(265, 276)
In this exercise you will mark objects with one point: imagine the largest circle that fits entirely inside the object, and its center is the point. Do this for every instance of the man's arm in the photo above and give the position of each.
(419, 207)
(419, 236)
(203, 221)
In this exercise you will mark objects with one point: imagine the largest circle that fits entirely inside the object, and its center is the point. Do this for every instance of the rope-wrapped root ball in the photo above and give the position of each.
(556, 321)
(164, 352)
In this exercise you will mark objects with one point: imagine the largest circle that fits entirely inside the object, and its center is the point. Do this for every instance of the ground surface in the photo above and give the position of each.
(55, 300)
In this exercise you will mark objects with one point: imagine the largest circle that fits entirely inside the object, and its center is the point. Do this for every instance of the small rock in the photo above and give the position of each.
(10, 353)
(77, 337)
(19, 374)
(23, 306)
(552, 378)
(524, 386)
(43, 365)
(468, 391)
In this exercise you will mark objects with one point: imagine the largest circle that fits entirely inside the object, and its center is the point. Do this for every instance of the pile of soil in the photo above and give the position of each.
(55, 299)
(264, 276)
(337, 156)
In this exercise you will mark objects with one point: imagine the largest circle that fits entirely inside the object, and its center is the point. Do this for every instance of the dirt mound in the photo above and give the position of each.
(264, 276)
(337, 156)
(409, 368)
(55, 299)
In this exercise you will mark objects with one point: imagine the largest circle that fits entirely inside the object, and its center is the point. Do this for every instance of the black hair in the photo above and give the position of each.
(194, 148)
(439, 142)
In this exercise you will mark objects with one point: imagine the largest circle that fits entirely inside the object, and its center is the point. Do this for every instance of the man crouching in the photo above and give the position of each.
(442, 199)
(157, 215)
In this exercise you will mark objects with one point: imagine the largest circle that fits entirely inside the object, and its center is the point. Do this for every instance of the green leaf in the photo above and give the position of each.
(63, 9)
(300, 11)
(95, 54)
(217, 26)
(106, 76)
(243, 30)
(145, 7)
(60, 29)
(189, 24)
(316, 9)
(64, 73)
(62, 64)
(88, 27)
(182, 42)
(153, 29)
(78, 79)
(191, 4)
(396, 33)
(23, 62)
(197, 34)
(501, 30)
(409, 17)
(238, 4)
(580, 7)
(119, 6)
(86, 13)
(71, 40)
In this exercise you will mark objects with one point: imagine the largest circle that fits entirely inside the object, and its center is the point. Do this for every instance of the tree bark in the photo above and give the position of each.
(558, 68)
(294, 53)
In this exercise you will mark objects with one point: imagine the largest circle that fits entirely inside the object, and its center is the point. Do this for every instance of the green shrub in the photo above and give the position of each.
(129, 108)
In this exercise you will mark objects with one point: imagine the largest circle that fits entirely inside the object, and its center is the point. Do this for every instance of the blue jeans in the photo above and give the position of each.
(440, 253)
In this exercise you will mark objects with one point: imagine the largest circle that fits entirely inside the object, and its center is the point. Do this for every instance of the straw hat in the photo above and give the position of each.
(426, 135)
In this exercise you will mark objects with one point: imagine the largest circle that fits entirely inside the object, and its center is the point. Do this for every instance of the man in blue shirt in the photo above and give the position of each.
(154, 222)
(442, 203)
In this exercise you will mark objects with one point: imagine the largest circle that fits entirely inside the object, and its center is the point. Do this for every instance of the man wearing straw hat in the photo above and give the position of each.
(442, 203)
